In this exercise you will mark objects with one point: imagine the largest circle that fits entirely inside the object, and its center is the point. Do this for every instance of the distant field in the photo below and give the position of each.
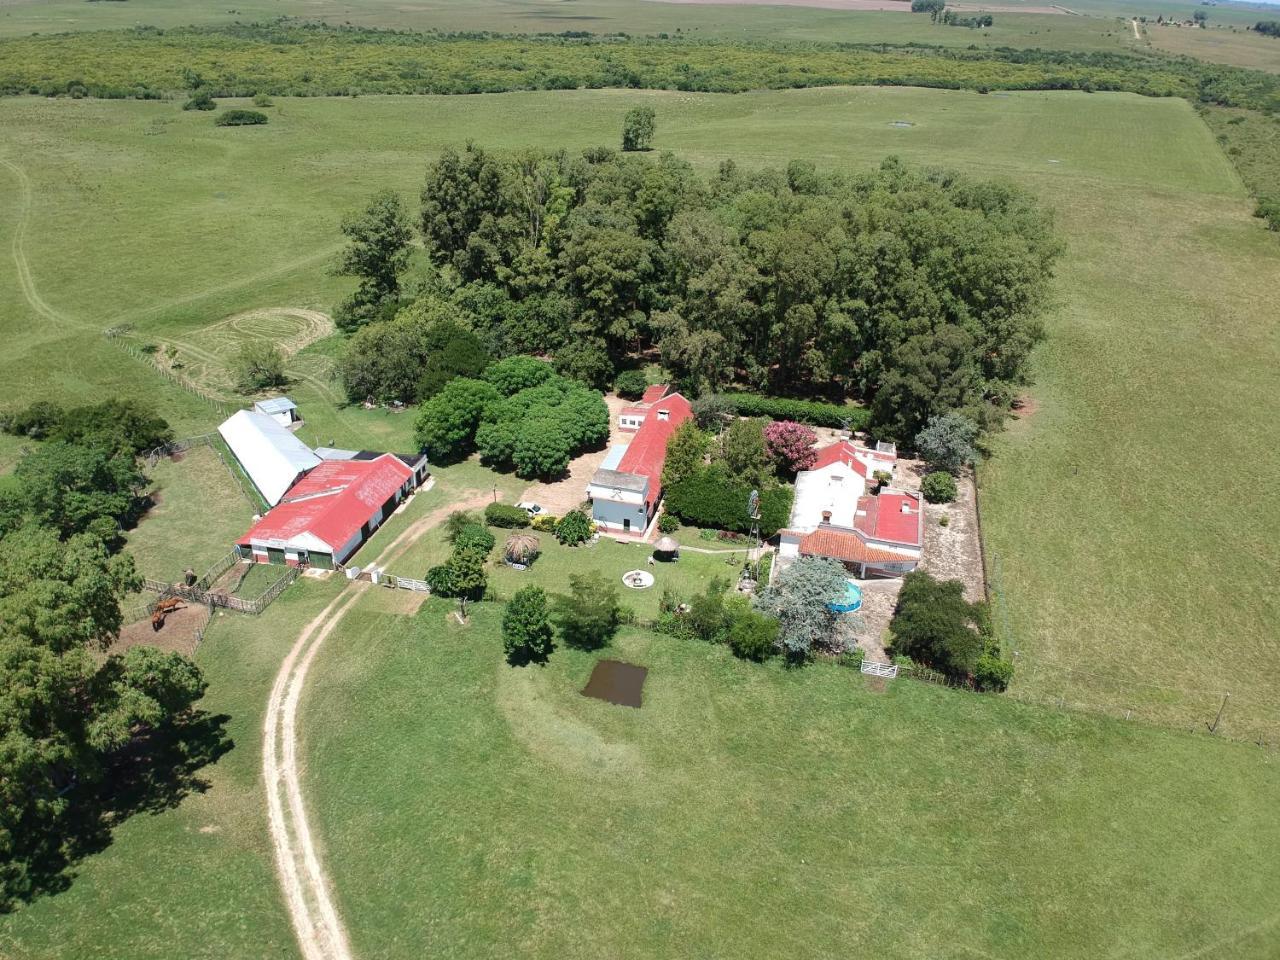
(1240, 47)
(1098, 31)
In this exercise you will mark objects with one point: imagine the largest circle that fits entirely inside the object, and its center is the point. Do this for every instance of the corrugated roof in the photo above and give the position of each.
(618, 480)
(272, 456)
(326, 508)
(892, 516)
(275, 405)
(647, 453)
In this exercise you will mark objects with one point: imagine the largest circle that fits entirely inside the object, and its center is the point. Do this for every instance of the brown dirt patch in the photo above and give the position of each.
(1025, 407)
(954, 552)
(178, 634)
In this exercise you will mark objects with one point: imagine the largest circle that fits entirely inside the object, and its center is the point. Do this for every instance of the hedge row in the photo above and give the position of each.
(712, 497)
(802, 411)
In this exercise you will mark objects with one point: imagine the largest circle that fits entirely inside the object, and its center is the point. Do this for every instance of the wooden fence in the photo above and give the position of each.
(194, 594)
(121, 338)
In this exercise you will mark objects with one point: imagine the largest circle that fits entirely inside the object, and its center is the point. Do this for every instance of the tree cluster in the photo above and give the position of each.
(410, 358)
(916, 291)
(799, 599)
(1270, 28)
(522, 416)
(713, 617)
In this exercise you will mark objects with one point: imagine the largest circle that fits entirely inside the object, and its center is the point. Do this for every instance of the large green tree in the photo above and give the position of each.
(800, 598)
(376, 253)
(527, 632)
(589, 615)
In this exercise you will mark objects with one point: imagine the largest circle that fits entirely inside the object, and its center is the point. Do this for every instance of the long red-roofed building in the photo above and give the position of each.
(325, 517)
(625, 491)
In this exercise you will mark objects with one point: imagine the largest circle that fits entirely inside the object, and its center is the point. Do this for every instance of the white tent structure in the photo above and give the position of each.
(272, 456)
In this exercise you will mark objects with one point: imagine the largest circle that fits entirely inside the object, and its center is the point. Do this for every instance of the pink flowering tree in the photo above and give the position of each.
(790, 444)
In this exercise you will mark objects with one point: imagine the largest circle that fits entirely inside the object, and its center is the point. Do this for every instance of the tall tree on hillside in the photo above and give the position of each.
(377, 252)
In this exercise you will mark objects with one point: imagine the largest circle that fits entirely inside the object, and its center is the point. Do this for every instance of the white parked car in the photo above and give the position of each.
(532, 509)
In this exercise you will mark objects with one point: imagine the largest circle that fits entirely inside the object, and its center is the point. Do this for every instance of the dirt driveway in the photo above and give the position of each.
(569, 493)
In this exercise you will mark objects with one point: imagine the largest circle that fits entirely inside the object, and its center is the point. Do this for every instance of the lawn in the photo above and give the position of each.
(474, 810)
(199, 515)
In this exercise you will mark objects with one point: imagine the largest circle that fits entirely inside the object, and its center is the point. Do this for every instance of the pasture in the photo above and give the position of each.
(755, 811)
(1134, 550)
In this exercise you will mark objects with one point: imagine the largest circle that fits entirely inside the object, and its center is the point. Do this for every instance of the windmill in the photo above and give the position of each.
(753, 514)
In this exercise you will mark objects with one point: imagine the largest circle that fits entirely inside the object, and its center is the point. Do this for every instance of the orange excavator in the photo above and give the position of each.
(163, 609)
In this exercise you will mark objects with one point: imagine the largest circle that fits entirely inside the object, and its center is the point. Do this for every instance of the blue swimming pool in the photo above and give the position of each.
(851, 601)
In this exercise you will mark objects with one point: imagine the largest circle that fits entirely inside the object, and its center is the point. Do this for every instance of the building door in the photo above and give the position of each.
(626, 525)
(275, 555)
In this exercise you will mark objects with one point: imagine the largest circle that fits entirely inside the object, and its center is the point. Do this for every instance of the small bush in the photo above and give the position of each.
(262, 100)
(507, 517)
(259, 366)
(240, 118)
(752, 635)
(474, 537)
(668, 524)
(574, 528)
(457, 522)
(545, 523)
(631, 384)
(944, 521)
(992, 674)
(938, 487)
(200, 101)
(852, 658)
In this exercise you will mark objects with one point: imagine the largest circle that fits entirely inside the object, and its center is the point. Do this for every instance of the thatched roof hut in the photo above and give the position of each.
(666, 549)
(521, 548)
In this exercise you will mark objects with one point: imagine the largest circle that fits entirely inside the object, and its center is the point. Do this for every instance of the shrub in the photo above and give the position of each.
(631, 384)
(668, 524)
(947, 442)
(711, 497)
(262, 100)
(751, 635)
(1268, 209)
(992, 674)
(458, 521)
(813, 412)
(853, 658)
(545, 523)
(933, 624)
(240, 118)
(574, 528)
(507, 517)
(938, 487)
(200, 101)
(476, 537)
(258, 366)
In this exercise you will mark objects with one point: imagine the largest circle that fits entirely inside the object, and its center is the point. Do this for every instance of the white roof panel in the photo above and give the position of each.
(275, 405)
(272, 456)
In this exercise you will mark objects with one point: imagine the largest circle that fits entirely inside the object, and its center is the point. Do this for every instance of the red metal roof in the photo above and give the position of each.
(647, 452)
(891, 517)
(847, 546)
(333, 501)
(842, 451)
(655, 393)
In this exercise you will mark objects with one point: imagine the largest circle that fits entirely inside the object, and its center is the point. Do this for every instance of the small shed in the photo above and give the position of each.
(280, 409)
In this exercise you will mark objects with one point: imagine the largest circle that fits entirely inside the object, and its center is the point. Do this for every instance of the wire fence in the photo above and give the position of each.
(120, 337)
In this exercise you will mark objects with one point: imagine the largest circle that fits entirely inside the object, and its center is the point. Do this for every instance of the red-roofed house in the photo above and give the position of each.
(325, 517)
(833, 516)
(626, 489)
(632, 416)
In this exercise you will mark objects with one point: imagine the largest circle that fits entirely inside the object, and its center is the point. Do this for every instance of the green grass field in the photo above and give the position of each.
(199, 515)
(1128, 514)
(473, 809)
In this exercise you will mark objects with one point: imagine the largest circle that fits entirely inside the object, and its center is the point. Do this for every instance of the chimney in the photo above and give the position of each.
(826, 516)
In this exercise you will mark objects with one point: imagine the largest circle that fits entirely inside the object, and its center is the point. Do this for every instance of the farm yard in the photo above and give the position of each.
(744, 809)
